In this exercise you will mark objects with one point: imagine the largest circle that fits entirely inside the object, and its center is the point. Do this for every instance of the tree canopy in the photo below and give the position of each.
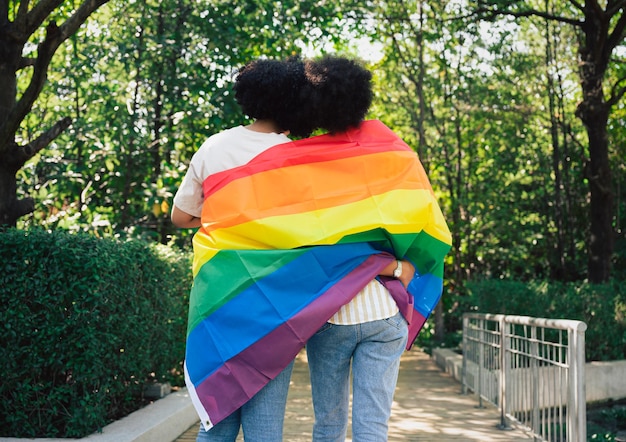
(515, 108)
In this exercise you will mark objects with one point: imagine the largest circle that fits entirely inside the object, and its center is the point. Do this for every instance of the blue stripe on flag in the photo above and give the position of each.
(271, 301)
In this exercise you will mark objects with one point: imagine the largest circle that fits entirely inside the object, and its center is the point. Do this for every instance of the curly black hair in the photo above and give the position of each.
(275, 90)
(331, 93)
(341, 92)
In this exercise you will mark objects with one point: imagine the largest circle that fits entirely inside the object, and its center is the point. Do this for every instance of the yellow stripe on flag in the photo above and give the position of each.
(287, 232)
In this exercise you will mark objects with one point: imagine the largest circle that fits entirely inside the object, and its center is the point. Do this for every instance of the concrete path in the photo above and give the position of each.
(428, 406)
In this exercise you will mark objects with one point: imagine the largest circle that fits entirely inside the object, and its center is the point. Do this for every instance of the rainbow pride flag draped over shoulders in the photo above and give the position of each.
(289, 238)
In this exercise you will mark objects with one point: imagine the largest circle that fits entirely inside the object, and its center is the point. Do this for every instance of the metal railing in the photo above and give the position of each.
(532, 369)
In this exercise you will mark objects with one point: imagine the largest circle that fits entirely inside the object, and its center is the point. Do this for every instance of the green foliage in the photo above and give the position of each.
(86, 323)
(601, 307)
(427, 340)
(504, 159)
(489, 106)
(606, 420)
(145, 83)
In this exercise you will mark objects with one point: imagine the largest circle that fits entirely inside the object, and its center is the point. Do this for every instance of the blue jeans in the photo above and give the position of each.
(261, 418)
(374, 348)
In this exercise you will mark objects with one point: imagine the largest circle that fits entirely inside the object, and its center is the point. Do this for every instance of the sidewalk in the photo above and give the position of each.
(428, 406)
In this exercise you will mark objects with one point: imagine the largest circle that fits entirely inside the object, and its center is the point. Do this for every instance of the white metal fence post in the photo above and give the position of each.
(481, 361)
(577, 412)
(466, 353)
(505, 370)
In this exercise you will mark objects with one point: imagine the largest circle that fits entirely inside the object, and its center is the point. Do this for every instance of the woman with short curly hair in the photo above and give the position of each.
(367, 335)
(268, 91)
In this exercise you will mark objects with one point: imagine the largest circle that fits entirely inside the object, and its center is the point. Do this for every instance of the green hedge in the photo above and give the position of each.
(601, 307)
(85, 324)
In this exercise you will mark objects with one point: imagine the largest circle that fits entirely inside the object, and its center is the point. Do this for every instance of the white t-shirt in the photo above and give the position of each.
(225, 150)
(237, 146)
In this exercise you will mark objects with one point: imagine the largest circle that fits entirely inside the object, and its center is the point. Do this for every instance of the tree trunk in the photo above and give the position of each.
(10, 207)
(600, 187)
(558, 265)
(594, 113)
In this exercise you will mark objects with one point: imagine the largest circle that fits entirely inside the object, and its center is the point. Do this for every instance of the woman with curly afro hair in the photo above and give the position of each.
(368, 334)
(269, 92)
(340, 92)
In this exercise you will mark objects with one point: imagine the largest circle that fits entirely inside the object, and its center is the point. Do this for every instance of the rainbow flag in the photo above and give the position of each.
(289, 238)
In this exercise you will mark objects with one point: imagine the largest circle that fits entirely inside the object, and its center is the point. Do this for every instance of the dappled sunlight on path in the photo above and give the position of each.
(428, 406)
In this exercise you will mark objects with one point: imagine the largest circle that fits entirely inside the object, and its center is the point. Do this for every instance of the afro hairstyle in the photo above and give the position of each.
(275, 90)
(341, 92)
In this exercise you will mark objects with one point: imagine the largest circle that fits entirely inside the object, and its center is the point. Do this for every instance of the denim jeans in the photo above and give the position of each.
(261, 418)
(374, 349)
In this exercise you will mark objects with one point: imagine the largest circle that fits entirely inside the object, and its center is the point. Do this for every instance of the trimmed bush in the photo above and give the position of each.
(601, 307)
(85, 324)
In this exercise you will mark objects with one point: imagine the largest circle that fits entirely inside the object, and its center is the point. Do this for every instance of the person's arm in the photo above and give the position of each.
(407, 271)
(183, 219)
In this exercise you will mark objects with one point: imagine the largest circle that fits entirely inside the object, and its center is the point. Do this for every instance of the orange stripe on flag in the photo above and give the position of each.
(317, 186)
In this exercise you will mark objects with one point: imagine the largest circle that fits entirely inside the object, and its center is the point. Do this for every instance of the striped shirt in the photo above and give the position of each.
(371, 304)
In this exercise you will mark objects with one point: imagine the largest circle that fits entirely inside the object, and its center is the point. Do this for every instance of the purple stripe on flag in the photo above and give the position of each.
(405, 304)
(233, 384)
(416, 325)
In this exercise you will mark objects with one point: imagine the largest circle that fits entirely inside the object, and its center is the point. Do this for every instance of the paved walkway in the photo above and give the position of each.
(428, 406)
